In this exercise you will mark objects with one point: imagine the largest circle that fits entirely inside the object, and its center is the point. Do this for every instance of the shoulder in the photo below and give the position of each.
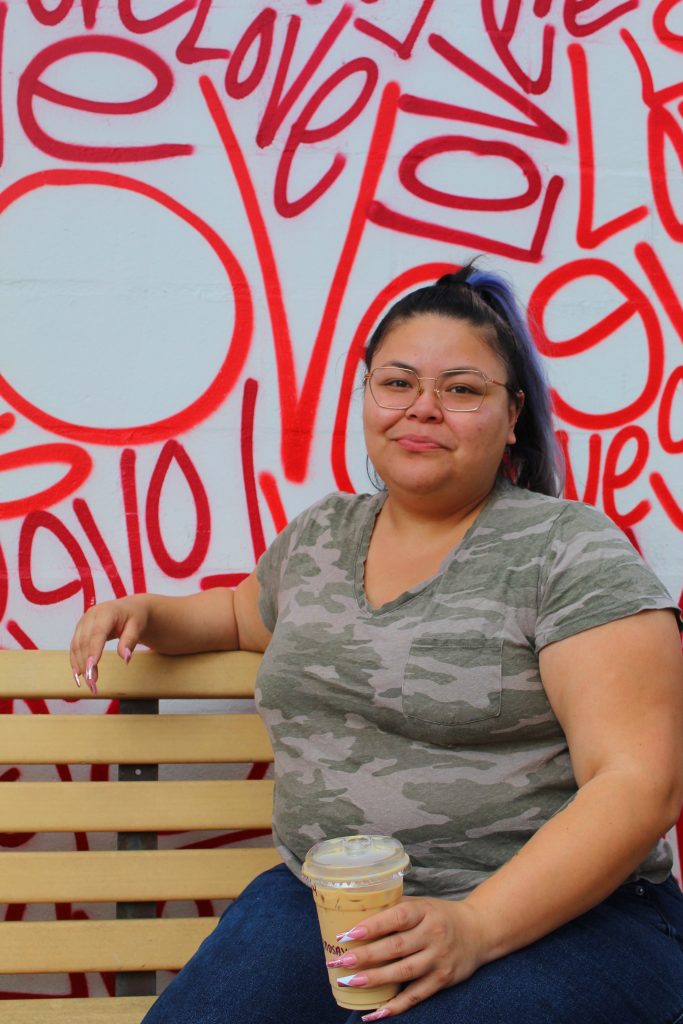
(528, 518)
(560, 514)
(338, 510)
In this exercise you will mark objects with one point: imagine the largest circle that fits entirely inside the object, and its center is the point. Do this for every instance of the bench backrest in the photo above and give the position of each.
(135, 806)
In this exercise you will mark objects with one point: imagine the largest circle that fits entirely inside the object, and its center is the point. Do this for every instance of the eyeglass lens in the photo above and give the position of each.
(459, 390)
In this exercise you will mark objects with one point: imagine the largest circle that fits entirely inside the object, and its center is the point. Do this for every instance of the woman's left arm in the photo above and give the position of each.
(617, 691)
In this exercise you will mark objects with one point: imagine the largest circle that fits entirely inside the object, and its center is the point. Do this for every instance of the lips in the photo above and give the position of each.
(418, 443)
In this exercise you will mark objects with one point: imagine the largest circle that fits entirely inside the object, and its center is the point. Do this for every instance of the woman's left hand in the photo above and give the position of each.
(424, 944)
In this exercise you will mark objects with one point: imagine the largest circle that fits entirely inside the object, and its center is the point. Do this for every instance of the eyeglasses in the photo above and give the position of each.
(394, 387)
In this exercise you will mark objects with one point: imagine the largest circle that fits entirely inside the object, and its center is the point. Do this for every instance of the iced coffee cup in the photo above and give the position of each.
(352, 878)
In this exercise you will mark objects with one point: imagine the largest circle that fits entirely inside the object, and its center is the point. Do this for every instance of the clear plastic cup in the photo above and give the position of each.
(352, 878)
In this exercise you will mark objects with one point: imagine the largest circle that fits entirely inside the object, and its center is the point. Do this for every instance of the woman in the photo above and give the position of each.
(474, 666)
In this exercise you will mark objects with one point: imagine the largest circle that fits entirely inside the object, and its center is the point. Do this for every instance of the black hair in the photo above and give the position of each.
(486, 301)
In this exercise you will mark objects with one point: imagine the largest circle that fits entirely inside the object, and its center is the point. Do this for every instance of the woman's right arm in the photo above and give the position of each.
(213, 620)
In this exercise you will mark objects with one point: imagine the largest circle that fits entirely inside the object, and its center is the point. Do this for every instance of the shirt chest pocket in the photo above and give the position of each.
(450, 683)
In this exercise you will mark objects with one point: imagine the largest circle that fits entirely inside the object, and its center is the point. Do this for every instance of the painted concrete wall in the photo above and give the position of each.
(204, 208)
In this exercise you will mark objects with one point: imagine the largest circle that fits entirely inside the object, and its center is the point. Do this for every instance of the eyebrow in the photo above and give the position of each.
(450, 369)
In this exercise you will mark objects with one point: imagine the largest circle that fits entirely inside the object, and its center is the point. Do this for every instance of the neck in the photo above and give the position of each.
(409, 512)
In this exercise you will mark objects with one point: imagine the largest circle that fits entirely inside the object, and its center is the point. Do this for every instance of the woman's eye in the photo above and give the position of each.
(396, 382)
(459, 389)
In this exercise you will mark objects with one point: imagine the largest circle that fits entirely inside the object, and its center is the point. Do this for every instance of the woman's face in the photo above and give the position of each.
(426, 450)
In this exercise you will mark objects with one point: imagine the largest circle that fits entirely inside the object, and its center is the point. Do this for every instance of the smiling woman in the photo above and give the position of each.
(472, 665)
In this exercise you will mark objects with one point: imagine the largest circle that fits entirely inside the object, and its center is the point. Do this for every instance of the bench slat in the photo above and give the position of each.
(135, 806)
(47, 947)
(130, 876)
(27, 674)
(125, 1010)
(133, 739)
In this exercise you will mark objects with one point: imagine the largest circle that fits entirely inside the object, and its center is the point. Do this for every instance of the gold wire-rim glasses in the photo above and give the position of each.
(438, 391)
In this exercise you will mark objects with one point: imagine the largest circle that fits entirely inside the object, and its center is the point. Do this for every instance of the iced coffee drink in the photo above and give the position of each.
(352, 878)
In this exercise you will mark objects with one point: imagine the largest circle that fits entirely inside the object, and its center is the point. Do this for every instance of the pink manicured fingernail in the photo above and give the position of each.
(91, 676)
(127, 655)
(348, 960)
(353, 981)
(77, 678)
(353, 934)
(377, 1014)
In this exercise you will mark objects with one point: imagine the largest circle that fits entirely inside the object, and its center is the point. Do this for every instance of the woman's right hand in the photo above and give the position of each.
(125, 619)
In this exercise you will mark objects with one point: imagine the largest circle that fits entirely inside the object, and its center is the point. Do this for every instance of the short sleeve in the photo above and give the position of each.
(269, 570)
(592, 575)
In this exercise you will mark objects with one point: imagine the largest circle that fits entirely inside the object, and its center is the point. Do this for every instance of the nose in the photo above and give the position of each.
(426, 406)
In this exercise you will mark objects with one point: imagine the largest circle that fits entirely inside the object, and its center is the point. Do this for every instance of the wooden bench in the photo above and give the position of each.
(133, 875)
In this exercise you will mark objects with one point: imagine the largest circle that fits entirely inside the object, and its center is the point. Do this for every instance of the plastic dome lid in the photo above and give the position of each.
(355, 861)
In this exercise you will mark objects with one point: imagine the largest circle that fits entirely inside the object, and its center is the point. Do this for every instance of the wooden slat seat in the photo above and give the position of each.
(135, 739)
(135, 877)
(135, 806)
(125, 1010)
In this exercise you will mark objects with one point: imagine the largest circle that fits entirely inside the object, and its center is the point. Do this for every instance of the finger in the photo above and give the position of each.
(400, 972)
(410, 997)
(77, 663)
(75, 674)
(403, 916)
(127, 642)
(91, 675)
(92, 646)
(392, 947)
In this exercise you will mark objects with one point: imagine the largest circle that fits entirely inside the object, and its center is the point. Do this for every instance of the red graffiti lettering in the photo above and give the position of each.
(133, 23)
(32, 86)
(299, 412)
(247, 448)
(50, 17)
(271, 493)
(280, 102)
(301, 134)
(481, 148)
(238, 347)
(92, 532)
(663, 129)
(537, 123)
(22, 638)
(614, 479)
(662, 31)
(129, 489)
(259, 34)
(674, 446)
(4, 584)
(666, 499)
(79, 468)
(589, 236)
(402, 47)
(592, 484)
(173, 452)
(502, 35)
(573, 9)
(635, 304)
(3, 19)
(41, 520)
(540, 126)
(662, 285)
(188, 52)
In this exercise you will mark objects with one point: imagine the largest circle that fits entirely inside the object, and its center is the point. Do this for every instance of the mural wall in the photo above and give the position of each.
(206, 205)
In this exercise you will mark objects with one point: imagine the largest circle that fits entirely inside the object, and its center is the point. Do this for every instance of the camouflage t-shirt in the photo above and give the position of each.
(426, 718)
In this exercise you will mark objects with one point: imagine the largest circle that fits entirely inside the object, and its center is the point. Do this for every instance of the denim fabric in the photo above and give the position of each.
(621, 963)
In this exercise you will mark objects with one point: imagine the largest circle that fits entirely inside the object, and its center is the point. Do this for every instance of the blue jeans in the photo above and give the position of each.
(621, 963)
